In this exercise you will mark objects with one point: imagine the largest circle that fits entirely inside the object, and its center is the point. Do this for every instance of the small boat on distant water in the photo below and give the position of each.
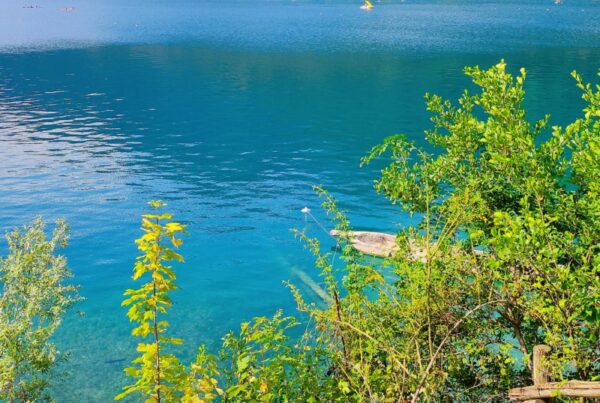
(367, 5)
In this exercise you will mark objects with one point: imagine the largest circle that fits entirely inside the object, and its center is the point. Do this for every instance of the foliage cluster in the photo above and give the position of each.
(34, 295)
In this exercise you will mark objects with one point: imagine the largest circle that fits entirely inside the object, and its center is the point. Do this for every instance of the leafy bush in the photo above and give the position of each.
(510, 220)
(33, 299)
(259, 363)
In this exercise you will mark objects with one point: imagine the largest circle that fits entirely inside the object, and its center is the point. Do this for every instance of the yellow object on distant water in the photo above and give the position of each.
(367, 5)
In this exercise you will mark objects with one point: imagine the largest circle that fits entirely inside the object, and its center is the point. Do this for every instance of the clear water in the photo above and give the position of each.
(230, 112)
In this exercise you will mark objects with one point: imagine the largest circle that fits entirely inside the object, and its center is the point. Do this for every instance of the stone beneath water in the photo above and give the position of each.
(381, 244)
(370, 243)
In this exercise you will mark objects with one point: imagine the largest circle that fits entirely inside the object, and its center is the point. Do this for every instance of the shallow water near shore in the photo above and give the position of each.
(230, 112)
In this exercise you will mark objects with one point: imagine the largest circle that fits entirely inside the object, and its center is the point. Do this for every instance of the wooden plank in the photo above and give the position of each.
(555, 389)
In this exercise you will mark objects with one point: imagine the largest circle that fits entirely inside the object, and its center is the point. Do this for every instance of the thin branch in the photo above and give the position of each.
(441, 345)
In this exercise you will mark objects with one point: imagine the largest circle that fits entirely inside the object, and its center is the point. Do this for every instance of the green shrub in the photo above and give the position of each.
(34, 296)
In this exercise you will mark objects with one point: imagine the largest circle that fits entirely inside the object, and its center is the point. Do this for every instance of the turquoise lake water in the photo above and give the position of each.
(230, 112)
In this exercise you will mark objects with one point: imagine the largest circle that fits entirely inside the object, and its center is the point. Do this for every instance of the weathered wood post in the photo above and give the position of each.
(540, 370)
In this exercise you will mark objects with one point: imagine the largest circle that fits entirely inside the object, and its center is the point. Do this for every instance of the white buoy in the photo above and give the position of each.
(306, 212)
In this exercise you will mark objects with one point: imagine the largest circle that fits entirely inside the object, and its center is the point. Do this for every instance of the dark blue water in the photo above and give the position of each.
(230, 112)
